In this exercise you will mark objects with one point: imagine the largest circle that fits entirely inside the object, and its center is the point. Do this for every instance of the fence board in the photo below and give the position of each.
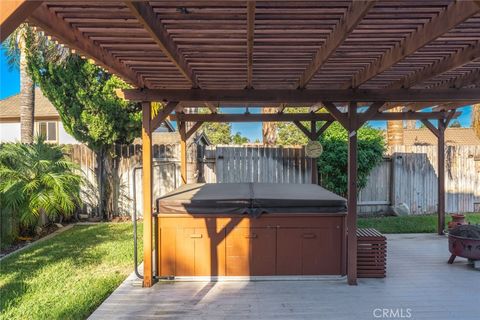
(408, 176)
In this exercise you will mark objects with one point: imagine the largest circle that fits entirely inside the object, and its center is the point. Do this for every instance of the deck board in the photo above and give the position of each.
(418, 278)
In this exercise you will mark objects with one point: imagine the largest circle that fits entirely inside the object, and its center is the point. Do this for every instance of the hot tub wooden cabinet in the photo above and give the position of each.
(272, 243)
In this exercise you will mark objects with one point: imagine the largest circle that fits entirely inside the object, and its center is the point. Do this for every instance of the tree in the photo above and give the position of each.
(221, 132)
(269, 129)
(455, 124)
(288, 134)
(18, 45)
(395, 129)
(239, 139)
(218, 132)
(476, 119)
(85, 98)
(37, 178)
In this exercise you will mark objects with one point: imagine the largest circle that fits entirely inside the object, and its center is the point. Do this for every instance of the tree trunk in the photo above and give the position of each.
(395, 130)
(107, 176)
(269, 129)
(476, 119)
(27, 101)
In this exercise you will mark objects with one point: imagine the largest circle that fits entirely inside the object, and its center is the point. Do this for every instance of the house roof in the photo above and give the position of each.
(44, 110)
(10, 107)
(453, 136)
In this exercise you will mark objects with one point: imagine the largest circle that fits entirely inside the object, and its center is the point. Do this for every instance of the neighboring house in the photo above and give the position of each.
(47, 121)
(453, 136)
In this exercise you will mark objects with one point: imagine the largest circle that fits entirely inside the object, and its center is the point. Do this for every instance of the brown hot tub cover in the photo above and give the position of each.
(251, 198)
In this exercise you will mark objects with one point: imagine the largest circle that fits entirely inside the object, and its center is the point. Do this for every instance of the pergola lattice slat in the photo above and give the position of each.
(456, 13)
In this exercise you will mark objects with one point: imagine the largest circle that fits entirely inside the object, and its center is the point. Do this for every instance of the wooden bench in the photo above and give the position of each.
(371, 254)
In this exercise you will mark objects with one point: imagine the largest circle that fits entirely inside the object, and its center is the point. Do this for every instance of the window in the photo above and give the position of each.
(48, 130)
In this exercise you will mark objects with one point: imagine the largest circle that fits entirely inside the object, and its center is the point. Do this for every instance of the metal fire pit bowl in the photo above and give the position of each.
(463, 247)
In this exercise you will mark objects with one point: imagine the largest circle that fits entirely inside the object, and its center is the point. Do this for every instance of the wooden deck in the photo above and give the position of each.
(418, 278)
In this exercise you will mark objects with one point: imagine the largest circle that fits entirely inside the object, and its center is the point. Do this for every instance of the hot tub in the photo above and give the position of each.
(251, 229)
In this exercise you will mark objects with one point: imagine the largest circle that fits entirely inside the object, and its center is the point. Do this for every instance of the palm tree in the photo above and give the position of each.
(476, 119)
(395, 130)
(19, 45)
(38, 178)
(269, 129)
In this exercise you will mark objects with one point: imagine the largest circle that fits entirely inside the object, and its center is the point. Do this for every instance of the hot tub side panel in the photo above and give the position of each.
(232, 245)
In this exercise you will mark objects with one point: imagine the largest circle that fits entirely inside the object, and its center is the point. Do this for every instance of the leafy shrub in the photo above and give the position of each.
(333, 163)
(37, 178)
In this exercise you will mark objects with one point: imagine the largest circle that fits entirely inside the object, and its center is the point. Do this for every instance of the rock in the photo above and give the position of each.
(400, 210)
(59, 225)
(38, 230)
(83, 216)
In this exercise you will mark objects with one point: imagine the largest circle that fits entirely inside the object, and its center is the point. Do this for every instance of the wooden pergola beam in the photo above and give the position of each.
(213, 108)
(450, 106)
(52, 24)
(162, 115)
(302, 96)
(337, 115)
(304, 129)
(292, 117)
(193, 129)
(250, 41)
(456, 13)
(456, 60)
(355, 13)
(148, 18)
(13, 13)
(372, 111)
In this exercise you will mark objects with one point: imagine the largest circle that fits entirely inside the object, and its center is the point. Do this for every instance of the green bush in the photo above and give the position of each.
(36, 178)
(333, 163)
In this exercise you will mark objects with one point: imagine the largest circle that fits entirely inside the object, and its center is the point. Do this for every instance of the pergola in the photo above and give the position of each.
(379, 55)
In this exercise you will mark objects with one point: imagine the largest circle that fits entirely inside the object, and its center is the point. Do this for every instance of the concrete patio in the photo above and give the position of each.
(419, 285)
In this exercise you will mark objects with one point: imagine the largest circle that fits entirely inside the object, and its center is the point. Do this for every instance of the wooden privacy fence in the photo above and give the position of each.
(225, 164)
(166, 173)
(408, 175)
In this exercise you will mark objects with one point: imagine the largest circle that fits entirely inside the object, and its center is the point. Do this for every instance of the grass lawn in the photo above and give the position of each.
(68, 276)
(409, 224)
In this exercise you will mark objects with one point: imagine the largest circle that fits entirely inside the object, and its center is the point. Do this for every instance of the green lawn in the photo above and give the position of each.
(68, 276)
(409, 224)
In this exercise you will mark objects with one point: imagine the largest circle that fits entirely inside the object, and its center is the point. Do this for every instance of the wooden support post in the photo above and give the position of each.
(183, 151)
(441, 177)
(313, 132)
(352, 195)
(439, 132)
(147, 194)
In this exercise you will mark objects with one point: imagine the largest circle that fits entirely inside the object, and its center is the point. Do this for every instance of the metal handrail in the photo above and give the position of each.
(158, 163)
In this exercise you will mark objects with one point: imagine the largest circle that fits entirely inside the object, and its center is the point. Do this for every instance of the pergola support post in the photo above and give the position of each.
(183, 151)
(147, 195)
(441, 177)
(439, 132)
(313, 131)
(352, 195)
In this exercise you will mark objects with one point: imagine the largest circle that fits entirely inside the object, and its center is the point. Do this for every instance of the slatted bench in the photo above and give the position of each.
(372, 254)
